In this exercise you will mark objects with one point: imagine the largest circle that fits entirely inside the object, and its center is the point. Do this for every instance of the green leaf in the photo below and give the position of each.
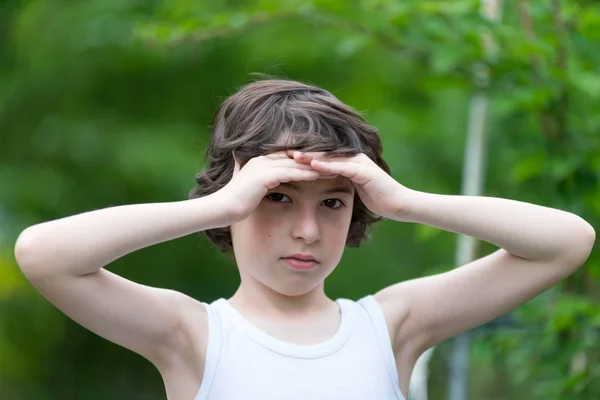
(528, 168)
(588, 83)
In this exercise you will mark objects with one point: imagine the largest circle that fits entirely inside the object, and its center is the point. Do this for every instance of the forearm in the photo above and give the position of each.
(526, 230)
(83, 243)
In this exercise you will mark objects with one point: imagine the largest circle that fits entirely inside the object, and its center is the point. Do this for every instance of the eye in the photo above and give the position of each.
(334, 204)
(277, 197)
(331, 203)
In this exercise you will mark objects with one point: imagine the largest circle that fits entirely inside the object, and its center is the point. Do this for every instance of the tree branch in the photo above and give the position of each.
(320, 18)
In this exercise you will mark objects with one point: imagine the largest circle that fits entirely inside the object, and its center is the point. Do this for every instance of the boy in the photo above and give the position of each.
(293, 176)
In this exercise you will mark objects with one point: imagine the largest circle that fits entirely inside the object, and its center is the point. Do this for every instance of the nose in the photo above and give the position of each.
(306, 225)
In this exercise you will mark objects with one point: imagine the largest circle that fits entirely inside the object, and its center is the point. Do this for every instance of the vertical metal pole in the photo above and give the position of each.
(472, 184)
(466, 246)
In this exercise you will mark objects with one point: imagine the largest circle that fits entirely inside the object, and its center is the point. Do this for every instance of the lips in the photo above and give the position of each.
(298, 264)
(302, 257)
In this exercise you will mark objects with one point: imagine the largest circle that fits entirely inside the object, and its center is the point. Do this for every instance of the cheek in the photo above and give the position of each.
(341, 218)
(334, 226)
(262, 227)
(342, 235)
(342, 225)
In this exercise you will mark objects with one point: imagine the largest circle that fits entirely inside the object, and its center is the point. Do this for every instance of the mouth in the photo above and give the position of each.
(302, 257)
(297, 263)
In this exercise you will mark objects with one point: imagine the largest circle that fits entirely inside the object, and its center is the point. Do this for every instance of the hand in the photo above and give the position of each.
(250, 184)
(381, 193)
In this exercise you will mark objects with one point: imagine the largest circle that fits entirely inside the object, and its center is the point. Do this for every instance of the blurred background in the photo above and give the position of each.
(107, 102)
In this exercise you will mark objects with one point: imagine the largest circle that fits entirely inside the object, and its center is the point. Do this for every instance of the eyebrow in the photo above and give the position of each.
(340, 189)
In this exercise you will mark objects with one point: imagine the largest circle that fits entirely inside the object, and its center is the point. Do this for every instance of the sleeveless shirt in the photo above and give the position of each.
(245, 363)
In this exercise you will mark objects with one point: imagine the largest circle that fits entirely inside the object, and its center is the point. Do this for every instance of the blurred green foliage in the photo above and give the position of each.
(109, 102)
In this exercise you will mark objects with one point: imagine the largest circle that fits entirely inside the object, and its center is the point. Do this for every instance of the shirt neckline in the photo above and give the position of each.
(322, 349)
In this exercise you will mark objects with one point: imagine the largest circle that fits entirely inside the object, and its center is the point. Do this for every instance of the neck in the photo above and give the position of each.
(257, 298)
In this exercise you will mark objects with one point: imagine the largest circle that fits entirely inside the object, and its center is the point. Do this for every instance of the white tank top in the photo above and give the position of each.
(244, 362)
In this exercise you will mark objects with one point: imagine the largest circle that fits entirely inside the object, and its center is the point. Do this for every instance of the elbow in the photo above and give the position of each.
(22, 246)
(25, 254)
(581, 245)
(588, 240)
(591, 232)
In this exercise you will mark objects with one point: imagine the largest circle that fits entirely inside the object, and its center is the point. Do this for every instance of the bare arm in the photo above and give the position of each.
(539, 246)
(529, 231)
(63, 260)
(84, 243)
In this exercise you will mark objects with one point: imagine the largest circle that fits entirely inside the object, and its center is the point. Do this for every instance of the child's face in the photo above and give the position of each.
(300, 217)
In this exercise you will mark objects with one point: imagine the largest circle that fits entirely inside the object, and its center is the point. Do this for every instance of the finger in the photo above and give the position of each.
(289, 163)
(305, 167)
(292, 174)
(309, 156)
(278, 155)
(305, 158)
(271, 156)
(327, 176)
(344, 168)
(294, 164)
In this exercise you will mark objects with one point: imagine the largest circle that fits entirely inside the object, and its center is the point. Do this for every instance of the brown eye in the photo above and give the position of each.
(331, 203)
(277, 197)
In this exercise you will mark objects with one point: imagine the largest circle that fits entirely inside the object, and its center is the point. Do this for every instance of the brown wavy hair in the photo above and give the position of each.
(251, 121)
